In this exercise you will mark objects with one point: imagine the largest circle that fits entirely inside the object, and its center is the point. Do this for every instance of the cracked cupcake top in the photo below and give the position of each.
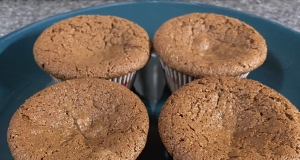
(201, 44)
(229, 118)
(79, 119)
(92, 46)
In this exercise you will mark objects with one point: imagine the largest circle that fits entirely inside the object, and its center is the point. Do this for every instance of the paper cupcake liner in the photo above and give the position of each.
(126, 80)
(176, 79)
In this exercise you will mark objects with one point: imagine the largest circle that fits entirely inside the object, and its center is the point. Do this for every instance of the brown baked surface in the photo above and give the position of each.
(229, 118)
(79, 119)
(92, 46)
(200, 44)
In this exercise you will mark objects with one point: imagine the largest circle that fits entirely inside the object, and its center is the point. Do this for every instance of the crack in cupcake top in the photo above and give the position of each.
(229, 118)
(80, 119)
(200, 44)
(92, 46)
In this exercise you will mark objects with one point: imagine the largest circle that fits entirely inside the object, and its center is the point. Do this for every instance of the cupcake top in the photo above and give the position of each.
(229, 118)
(92, 46)
(200, 44)
(80, 119)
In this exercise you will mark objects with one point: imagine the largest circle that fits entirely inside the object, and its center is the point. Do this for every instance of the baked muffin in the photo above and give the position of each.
(97, 46)
(229, 118)
(199, 45)
(79, 119)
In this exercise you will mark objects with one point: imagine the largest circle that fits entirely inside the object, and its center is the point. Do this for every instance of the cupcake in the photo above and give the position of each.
(202, 45)
(229, 118)
(79, 119)
(106, 47)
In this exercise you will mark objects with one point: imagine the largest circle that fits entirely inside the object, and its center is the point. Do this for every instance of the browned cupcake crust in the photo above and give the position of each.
(200, 44)
(79, 119)
(229, 118)
(92, 46)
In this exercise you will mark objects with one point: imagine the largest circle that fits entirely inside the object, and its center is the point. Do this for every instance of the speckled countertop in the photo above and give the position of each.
(15, 14)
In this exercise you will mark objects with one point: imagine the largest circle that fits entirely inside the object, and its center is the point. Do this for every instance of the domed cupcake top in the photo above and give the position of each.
(226, 117)
(80, 119)
(201, 44)
(92, 46)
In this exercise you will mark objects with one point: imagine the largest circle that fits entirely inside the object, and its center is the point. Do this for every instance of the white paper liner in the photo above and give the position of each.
(176, 79)
(126, 80)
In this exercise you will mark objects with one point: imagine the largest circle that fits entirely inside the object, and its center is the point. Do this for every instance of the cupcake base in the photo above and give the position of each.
(176, 79)
(126, 80)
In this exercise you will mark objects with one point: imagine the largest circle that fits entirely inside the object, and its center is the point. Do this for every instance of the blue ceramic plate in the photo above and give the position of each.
(20, 77)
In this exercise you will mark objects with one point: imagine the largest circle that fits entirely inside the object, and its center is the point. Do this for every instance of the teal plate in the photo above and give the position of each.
(20, 77)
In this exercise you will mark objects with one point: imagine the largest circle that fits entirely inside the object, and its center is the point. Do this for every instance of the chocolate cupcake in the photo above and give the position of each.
(229, 118)
(97, 46)
(79, 119)
(199, 45)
